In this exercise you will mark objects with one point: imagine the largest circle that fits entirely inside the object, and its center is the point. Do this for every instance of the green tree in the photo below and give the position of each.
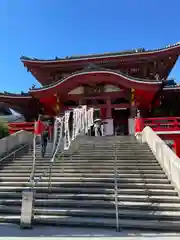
(4, 131)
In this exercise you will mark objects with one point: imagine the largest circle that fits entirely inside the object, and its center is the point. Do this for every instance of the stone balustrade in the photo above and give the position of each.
(168, 160)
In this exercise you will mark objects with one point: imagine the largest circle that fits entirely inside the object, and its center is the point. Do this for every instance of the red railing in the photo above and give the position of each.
(163, 124)
(15, 127)
(29, 126)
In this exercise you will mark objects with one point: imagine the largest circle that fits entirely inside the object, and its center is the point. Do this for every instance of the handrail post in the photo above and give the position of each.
(34, 159)
(50, 176)
(116, 187)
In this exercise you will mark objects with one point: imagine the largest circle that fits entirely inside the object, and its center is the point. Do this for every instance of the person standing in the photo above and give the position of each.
(97, 127)
(44, 140)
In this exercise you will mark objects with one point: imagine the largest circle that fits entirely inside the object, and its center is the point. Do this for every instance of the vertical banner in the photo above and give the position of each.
(80, 121)
(91, 116)
(83, 110)
(61, 125)
(77, 122)
(88, 118)
(74, 124)
(85, 120)
(66, 131)
(55, 133)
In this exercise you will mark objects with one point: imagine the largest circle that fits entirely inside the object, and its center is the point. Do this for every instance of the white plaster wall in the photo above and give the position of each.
(78, 90)
(111, 88)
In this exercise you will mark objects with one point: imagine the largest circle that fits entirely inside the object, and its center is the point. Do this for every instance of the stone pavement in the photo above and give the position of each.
(11, 231)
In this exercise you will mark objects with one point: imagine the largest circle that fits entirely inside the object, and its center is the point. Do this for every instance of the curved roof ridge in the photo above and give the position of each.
(100, 70)
(138, 51)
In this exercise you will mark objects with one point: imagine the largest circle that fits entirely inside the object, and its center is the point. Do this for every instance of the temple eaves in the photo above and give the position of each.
(137, 51)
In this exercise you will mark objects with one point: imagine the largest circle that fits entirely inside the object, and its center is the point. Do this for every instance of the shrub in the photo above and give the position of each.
(4, 131)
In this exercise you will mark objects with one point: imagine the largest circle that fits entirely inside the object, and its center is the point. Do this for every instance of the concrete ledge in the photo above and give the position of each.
(14, 141)
(165, 156)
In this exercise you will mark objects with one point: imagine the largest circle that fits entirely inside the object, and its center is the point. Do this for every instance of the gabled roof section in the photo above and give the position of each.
(66, 84)
(128, 53)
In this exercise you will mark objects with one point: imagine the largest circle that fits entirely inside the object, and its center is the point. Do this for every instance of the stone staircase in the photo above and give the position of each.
(82, 192)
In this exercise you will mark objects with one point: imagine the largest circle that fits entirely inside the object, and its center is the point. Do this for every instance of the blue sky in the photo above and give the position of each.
(50, 28)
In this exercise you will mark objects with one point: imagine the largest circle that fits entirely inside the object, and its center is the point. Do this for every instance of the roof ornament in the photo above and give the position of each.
(92, 67)
(25, 58)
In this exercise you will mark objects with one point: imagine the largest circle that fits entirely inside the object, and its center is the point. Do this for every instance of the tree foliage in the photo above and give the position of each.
(4, 131)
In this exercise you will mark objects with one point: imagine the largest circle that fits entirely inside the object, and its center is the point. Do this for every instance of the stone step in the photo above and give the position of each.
(93, 175)
(106, 157)
(88, 179)
(92, 184)
(85, 165)
(109, 143)
(108, 222)
(107, 164)
(106, 213)
(79, 161)
(96, 204)
(112, 147)
(107, 148)
(91, 166)
(105, 197)
(112, 153)
(125, 214)
(96, 222)
(151, 206)
(58, 169)
(109, 158)
(93, 190)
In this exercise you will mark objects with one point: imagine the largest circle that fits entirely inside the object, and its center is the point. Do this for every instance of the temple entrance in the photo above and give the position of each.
(120, 117)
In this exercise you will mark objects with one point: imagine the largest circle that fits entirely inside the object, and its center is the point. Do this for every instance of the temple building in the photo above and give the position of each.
(117, 85)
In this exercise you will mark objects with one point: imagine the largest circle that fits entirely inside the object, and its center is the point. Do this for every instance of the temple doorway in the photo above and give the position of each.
(120, 117)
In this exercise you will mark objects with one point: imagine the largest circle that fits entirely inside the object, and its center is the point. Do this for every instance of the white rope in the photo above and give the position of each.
(55, 133)
(85, 120)
(60, 123)
(82, 121)
(90, 120)
(67, 140)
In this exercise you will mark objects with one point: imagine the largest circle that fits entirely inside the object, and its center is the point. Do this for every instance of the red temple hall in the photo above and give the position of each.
(128, 89)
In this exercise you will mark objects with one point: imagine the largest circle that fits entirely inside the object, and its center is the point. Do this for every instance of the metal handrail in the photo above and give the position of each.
(49, 168)
(33, 160)
(116, 187)
(14, 152)
(54, 157)
(51, 162)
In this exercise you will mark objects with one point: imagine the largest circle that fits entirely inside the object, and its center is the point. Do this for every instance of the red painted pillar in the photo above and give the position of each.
(177, 146)
(103, 113)
(109, 110)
